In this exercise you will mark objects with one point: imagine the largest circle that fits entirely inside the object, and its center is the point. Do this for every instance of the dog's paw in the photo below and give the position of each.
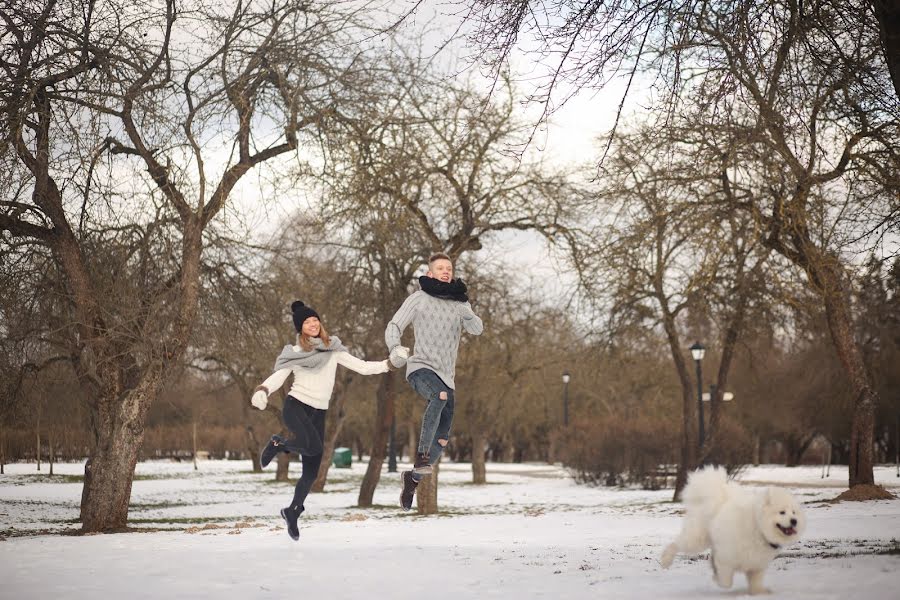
(755, 581)
(668, 556)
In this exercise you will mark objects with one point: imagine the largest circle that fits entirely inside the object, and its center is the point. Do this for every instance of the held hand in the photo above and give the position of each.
(260, 400)
(399, 355)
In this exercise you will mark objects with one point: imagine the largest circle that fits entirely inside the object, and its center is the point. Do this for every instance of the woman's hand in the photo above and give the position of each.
(260, 399)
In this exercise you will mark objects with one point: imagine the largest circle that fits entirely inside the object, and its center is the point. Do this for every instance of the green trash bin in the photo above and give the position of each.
(343, 458)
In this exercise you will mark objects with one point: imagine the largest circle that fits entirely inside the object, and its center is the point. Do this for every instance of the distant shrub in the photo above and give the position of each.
(618, 451)
(645, 451)
(733, 447)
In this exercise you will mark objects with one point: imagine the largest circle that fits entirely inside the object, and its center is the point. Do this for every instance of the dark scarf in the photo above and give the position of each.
(313, 359)
(454, 290)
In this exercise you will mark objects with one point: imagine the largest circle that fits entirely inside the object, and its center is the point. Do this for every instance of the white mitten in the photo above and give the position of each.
(399, 355)
(260, 400)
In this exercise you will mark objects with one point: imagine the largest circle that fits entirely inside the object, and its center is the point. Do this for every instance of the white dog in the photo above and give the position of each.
(743, 528)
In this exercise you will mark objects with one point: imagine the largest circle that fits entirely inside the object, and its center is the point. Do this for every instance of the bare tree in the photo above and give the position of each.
(802, 87)
(147, 117)
(812, 156)
(593, 42)
(664, 257)
(426, 168)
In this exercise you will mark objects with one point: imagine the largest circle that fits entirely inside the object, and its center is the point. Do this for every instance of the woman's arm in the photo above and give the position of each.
(274, 381)
(362, 367)
(260, 398)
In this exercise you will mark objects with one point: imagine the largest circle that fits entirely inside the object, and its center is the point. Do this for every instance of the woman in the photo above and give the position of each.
(313, 362)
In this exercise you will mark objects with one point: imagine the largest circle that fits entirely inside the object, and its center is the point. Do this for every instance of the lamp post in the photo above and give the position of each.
(565, 378)
(697, 351)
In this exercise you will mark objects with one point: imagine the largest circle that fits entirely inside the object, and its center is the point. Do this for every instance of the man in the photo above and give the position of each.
(439, 312)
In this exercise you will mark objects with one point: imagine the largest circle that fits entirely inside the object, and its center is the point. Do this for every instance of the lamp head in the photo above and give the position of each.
(698, 350)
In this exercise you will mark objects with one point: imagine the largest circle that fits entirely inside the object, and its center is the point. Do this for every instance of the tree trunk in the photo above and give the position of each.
(755, 449)
(688, 399)
(194, 442)
(829, 276)
(861, 439)
(333, 425)
(795, 447)
(888, 14)
(88, 474)
(37, 435)
(282, 466)
(384, 412)
(119, 426)
(253, 449)
(479, 472)
(413, 430)
(50, 448)
(733, 331)
(426, 494)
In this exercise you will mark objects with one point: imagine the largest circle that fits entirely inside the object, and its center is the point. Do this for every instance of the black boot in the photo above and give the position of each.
(271, 449)
(409, 489)
(422, 466)
(290, 515)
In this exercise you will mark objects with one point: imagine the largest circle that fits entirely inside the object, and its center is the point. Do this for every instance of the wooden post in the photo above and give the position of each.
(194, 443)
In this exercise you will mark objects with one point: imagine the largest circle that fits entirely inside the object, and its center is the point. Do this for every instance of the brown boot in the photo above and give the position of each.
(409, 489)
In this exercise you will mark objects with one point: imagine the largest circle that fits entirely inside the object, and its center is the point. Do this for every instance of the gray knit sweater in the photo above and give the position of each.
(437, 324)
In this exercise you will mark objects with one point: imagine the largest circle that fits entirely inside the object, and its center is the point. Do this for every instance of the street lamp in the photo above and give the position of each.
(566, 377)
(697, 351)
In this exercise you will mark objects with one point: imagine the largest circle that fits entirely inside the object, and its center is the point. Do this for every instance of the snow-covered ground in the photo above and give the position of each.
(530, 533)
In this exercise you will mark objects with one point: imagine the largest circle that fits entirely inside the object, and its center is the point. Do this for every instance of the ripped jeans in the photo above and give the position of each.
(438, 412)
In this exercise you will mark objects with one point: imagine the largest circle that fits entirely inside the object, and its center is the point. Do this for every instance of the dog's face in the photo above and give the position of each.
(780, 517)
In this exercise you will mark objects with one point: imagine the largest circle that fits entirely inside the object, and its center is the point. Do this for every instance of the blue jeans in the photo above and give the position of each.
(438, 412)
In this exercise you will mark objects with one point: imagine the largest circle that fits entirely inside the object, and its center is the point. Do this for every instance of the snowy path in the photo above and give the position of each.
(530, 533)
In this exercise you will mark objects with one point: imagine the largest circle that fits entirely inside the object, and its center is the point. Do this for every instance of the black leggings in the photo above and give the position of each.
(307, 426)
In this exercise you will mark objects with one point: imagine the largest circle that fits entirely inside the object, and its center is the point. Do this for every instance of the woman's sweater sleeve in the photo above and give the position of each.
(275, 380)
(362, 367)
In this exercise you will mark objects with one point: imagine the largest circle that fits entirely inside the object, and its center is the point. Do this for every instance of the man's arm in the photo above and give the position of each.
(470, 321)
(401, 319)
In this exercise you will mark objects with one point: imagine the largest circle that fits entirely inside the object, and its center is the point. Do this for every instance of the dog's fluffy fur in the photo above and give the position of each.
(743, 528)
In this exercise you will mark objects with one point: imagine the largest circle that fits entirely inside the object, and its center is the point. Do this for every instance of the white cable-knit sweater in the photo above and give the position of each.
(314, 387)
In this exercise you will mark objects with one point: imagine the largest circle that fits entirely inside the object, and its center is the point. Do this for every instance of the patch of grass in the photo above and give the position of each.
(469, 484)
(187, 520)
(893, 549)
(375, 507)
(157, 505)
(291, 481)
(20, 533)
(30, 478)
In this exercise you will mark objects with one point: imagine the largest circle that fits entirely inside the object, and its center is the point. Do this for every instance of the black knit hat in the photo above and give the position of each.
(301, 313)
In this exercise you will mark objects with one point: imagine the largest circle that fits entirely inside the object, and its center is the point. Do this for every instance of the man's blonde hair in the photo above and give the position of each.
(438, 256)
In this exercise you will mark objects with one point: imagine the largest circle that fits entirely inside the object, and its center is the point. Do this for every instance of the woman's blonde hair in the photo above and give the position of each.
(303, 339)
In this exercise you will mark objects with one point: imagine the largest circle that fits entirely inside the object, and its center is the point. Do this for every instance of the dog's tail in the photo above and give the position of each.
(705, 492)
